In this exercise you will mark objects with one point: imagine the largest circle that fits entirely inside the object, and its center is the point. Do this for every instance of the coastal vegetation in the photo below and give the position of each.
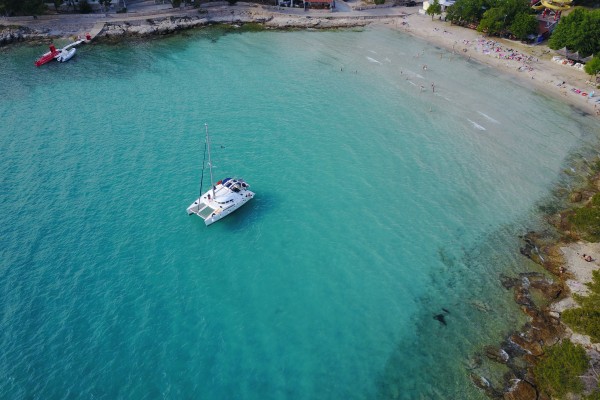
(495, 17)
(85, 7)
(523, 25)
(580, 32)
(586, 319)
(559, 371)
(22, 7)
(434, 8)
(585, 221)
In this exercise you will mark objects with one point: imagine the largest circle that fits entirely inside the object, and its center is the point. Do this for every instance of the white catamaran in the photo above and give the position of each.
(223, 198)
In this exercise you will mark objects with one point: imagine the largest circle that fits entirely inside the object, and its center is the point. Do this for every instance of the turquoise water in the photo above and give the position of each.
(377, 205)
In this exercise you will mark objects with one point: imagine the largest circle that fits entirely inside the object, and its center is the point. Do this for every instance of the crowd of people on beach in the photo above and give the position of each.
(491, 47)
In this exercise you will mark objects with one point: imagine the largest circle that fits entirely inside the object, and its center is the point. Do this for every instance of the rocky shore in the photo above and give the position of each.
(543, 298)
(169, 25)
(50, 28)
(13, 34)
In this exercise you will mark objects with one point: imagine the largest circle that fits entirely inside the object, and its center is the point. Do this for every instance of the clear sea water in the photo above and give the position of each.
(377, 205)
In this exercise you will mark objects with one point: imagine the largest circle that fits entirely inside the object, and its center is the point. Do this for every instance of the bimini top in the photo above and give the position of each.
(235, 185)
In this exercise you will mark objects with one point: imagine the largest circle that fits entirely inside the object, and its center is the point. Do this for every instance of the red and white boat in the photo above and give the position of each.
(47, 57)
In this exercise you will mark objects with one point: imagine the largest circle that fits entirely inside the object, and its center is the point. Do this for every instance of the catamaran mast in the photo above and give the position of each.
(210, 162)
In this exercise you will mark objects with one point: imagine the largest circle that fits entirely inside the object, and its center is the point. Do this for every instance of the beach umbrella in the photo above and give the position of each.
(573, 56)
(563, 51)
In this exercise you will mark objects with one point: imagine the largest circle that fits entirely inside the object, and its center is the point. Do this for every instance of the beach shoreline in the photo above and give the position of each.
(538, 72)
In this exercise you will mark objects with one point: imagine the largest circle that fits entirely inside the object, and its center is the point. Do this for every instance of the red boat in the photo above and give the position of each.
(47, 57)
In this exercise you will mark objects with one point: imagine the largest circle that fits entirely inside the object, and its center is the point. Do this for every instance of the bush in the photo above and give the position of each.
(587, 318)
(592, 67)
(558, 372)
(586, 220)
(379, 2)
(85, 7)
(584, 321)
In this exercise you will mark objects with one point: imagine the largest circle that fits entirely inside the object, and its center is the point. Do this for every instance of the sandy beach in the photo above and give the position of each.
(531, 66)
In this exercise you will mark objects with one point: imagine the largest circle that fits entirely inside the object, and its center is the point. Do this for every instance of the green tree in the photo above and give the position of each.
(22, 7)
(105, 4)
(578, 31)
(85, 7)
(493, 21)
(592, 67)
(176, 3)
(495, 15)
(523, 25)
(58, 3)
(558, 372)
(512, 8)
(467, 10)
(434, 8)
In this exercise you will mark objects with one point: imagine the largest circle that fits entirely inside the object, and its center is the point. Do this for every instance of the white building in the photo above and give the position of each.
(443, 3)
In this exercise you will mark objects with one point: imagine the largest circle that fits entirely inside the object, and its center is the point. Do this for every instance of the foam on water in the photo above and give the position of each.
(476, 125)
(488, 117)
(371, 215)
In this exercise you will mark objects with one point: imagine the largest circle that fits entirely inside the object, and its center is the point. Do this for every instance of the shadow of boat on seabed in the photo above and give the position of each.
(250, 215)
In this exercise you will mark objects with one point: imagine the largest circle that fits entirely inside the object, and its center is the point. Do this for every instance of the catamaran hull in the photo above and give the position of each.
(211, 215)
(215, 217)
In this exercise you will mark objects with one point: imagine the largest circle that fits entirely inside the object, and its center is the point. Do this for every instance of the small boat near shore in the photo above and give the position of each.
(47, 57)
(223, 198)
(60, 55)
(65, 55)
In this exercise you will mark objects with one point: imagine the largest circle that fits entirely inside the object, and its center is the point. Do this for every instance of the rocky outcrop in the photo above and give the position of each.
(169, 25)
(483, 384)
(497, 354)
(521, 349)
(151, 26)
(521, 390)
(12, 34)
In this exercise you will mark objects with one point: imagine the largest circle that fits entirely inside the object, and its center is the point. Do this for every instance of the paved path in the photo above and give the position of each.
(96, 29)
(79, 24)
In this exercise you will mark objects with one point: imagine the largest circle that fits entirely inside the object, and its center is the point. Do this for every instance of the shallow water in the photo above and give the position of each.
(377, 205)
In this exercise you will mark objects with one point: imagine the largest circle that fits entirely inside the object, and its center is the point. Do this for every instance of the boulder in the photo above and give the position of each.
(508, 282)
(522, 296)
(545, 331)
(530, 346)
(549, 289)
(521, 390)
(576, 197)
(485, 385)
(496, 354)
